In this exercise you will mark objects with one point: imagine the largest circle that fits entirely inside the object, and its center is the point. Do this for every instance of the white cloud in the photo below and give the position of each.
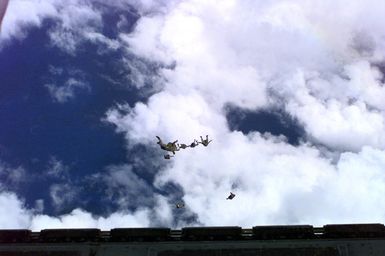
(23, 218)
(39, 206)
(100, 38)
(162, 212)
(22, 15)
(140, 75)
(20, 217)
(278, 183)
(76, 21)
(168, 116)
(124, 187)
(11, 177)
(315, 60)
(338, 114)
(57, 168)
(81, 219)
(145, 43)
(67, 91)
(62, 195)
(129, 189)
(245, 61)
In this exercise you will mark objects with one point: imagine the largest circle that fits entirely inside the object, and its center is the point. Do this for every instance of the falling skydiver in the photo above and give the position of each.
(171, 146)
(231, 196)
(167, 156)
(206, 141)
(194, 144)
(183, 146)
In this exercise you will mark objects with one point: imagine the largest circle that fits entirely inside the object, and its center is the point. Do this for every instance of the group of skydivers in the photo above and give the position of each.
(174, 146)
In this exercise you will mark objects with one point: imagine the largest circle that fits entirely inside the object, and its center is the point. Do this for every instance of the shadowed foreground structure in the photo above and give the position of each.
(302, 240)
(3, 8)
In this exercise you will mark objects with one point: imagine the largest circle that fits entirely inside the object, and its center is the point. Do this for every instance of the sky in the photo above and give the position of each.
(291, 92)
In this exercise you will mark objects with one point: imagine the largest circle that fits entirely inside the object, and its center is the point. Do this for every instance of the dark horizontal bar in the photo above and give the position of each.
(333, 231)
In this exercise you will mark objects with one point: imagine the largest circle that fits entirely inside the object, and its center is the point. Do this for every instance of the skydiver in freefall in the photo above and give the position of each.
(167, 156)
(231, 196)
(171, 146)
(183, 146)
(194, 144)
(206, 141)
(179, 205)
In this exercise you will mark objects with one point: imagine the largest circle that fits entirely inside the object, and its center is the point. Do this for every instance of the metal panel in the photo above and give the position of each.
(41, 253)
(329, 251)
(283, 232)
(140, 234)
(354, 231)
(66, 235)
(15, 235)
(211, 233)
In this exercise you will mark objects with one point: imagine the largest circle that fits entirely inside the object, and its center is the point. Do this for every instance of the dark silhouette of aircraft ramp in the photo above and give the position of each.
(296, 240)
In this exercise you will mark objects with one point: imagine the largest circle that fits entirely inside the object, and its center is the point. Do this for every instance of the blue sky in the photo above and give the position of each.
(292, 98)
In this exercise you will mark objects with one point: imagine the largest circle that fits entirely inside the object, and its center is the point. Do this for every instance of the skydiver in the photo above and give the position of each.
(194, 144)
(231, 196)
(179, 205)
(171, 146)
(167, 156)
(183, 146)
(206, 141)
(161, 144)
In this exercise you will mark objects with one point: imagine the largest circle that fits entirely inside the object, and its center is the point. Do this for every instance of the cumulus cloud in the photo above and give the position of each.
(78, 21)
(277, 183)
(123, 187)
(317, 61)
(11, 177)
(21, 15)
(62, 195)
(81, 219)
(319, 66)
(279, 53)
(20, 217)
(39, 206)
(74, 22)
(66, 91)
(57, 168)
(24, 218)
